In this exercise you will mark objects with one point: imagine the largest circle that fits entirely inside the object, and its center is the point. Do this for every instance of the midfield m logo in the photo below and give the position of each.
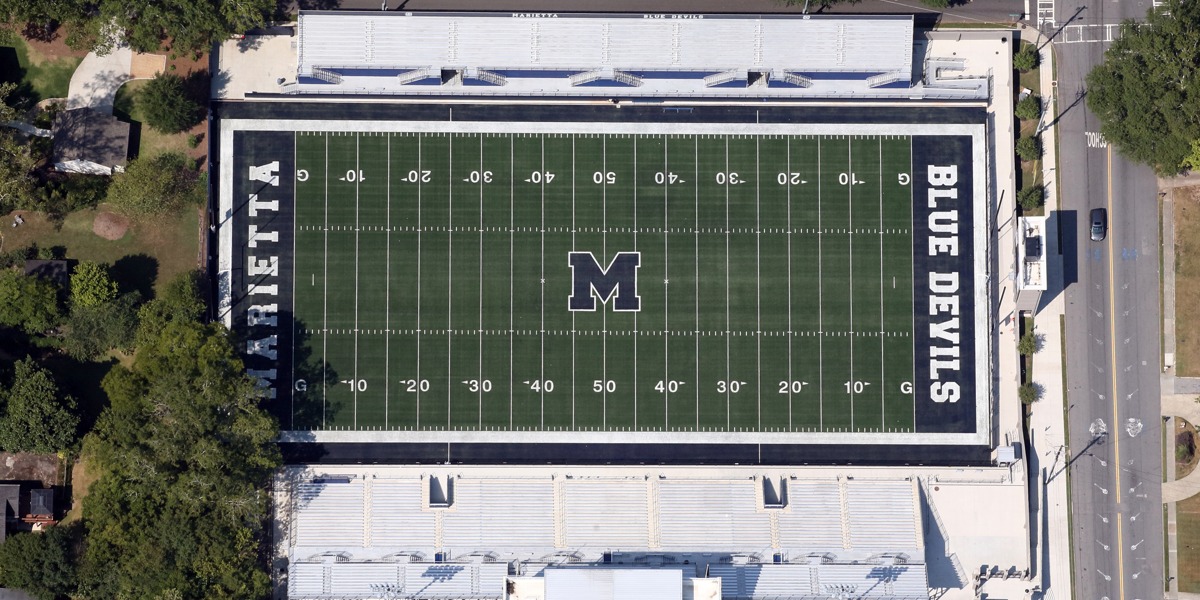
(617, 282)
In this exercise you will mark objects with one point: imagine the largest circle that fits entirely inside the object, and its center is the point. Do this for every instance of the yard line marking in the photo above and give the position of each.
(542, 287)
(295, 332)
(387, 314)
(604, 250)
(666, 288)
(420, 165)
(911, 268)
(850, 204)
(696, 264)
(450, 280)
(758, 263)
(512, 172)
(882, 355)
(728, 416)
(789, 284)
(820, 299)
(573, 382)
(357, 217)
(480, 375)
(325, 294)
(635, 315)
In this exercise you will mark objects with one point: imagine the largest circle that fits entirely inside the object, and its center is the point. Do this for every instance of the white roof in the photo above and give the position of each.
(711, 43)
(613, 584)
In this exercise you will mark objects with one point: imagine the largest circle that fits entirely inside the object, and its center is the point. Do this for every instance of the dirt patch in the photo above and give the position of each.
(1186, 456)
(110, 226)
(56, 48)
(82, 478)
(23, 466)
(146, 66)
(1187, 281)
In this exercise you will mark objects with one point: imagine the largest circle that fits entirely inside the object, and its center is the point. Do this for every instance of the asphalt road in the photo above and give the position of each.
(1113, 328)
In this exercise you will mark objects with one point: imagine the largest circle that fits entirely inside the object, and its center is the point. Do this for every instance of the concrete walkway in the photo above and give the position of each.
(97, 79)
(1047, 426)
(1185, 407)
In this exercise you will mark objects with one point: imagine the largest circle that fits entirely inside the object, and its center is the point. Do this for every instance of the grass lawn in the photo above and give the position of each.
(1187, 282)
(149, 141)
(46, 76)
(1030, 79)
(151, 253)
(1188, 530)
(82, 478)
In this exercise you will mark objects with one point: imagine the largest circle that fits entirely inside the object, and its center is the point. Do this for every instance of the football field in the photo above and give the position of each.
(766, 282)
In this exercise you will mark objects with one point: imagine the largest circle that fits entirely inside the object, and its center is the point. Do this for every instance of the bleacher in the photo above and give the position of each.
(709, 514)
(329, 514)
(606, 513)
(395, 516)
(883, 515)
(813, 519)
(396, 580)
(490, 513)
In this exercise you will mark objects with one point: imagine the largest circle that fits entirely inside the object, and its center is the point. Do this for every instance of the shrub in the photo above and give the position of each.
(1029, 148)
(1028, 344)
(155, 185)
(1029, 393)
(1031, 197)
(1026, 59)
(1030, 108)
(166, 104)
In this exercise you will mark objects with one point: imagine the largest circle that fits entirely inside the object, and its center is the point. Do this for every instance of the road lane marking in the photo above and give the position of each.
(1112, 324)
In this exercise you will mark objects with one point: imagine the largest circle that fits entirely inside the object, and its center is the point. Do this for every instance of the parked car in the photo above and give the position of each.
(1099, 224)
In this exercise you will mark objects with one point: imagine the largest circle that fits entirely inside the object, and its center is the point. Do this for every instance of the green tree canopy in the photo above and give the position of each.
(185, 454)
(1027, 58)
(28, 303)
(155, 185)
(167, 106)
(41, 565)
(91, 331)
(1146, 92)
(36, 418)
(1029, 148)
(91, 285)
(1029, 108)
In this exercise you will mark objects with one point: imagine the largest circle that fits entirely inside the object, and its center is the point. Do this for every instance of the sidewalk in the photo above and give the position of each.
(1047, 425)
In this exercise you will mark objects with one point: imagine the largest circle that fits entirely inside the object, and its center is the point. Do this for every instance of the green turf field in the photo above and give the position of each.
(432, 281)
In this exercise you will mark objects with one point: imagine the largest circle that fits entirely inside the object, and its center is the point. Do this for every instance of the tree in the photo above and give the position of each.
(936, 3)
(186, 454)
(36, 419)
(155, 185)
(1027, 58)
(1029, 393)
(1028, 344)
(28, 303)
(1029, 108)
(166, 104)
(189, 26)
(91, 331)
(91, 285)
(1145, 91)
(1029, 148)
(1031, 197)
(41, 565)
(178, 302)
